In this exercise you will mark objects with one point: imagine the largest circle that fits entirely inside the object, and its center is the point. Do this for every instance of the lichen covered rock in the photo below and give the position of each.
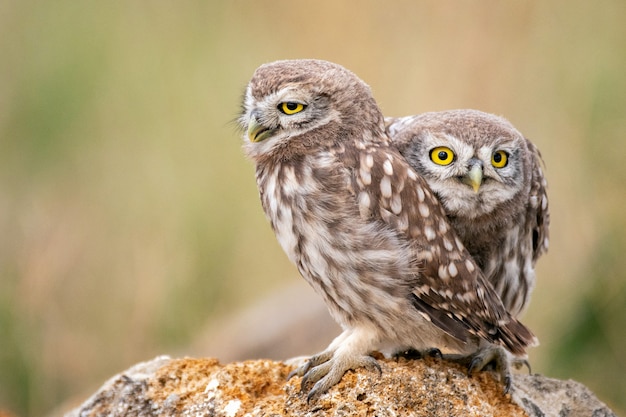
(204, 387)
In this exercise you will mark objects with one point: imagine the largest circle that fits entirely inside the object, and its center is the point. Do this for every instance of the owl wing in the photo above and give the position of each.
(450, 289)
(539, 215)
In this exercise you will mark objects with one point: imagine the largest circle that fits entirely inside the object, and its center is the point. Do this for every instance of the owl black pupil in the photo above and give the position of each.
(443, 155)
(292, 106)
(497, 158)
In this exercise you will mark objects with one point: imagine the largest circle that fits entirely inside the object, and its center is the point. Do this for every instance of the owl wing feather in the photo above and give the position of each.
(451, 291)
(539, 214)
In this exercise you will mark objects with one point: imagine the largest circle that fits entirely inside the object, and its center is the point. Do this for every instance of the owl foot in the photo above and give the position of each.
(348, 351)
(327, 374)
(494, 358)
(312, 362)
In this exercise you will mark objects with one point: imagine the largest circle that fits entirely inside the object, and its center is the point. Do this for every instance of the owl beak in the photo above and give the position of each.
(258, 132)
(474, 177)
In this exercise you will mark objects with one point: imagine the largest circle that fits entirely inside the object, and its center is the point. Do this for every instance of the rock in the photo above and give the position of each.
(431, 387)
(541, 396)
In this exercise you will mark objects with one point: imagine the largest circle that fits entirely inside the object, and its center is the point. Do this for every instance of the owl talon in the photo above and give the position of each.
(312, 362)
(519, 363)
(295, 372)
(329, 373)
(507, 384)
(372, 365)
(494, 357)
(313, 375)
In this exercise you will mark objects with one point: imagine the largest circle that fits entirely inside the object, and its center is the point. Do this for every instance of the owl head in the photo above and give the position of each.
(291, 101)
(475, 162)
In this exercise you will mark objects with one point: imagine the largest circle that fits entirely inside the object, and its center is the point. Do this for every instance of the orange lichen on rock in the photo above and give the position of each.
(185, 383)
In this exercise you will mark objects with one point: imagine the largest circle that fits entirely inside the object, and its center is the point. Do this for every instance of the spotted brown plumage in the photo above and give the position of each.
(504, 221)
(361, 226)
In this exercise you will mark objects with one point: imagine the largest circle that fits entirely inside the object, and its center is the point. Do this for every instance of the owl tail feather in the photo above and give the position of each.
(515, 337)
(507, 332)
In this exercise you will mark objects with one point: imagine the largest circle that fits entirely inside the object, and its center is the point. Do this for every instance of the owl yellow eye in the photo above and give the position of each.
(499, 159)
(290, 107)
(442, 155)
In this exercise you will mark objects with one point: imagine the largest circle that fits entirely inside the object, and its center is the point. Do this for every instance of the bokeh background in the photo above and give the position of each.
(129, 217)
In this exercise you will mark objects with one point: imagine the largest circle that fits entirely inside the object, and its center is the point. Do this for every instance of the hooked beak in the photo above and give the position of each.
(474, 177)
(258, 132)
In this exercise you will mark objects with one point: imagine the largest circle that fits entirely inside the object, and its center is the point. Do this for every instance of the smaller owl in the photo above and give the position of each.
(488, 178)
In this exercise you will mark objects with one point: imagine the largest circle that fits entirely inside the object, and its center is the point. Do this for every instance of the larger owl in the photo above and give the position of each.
(488, 178)
(362, 227)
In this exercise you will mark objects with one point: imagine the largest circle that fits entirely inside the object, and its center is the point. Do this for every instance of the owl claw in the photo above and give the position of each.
(507, 384)
(327, 374)
(312, 362)
(330, 373)
(519, 363)
(494, 357)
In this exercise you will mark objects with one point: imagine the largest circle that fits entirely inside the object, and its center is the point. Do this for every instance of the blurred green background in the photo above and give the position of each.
(129, 216)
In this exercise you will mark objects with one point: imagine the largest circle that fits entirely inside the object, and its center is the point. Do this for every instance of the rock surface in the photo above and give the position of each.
(204, 387)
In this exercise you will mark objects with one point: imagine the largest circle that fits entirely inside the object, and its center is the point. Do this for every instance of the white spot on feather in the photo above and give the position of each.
(423, 209)
(427, 256)
(396, 204)
(364, 204)
(420, 194)
(443, 226)
(366, 176)
(385, 187)
(429, 233)
(443, 272)
(403, 222)
(387, 167)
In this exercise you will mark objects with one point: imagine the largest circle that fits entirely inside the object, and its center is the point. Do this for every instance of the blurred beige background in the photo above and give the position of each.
(129, 218)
